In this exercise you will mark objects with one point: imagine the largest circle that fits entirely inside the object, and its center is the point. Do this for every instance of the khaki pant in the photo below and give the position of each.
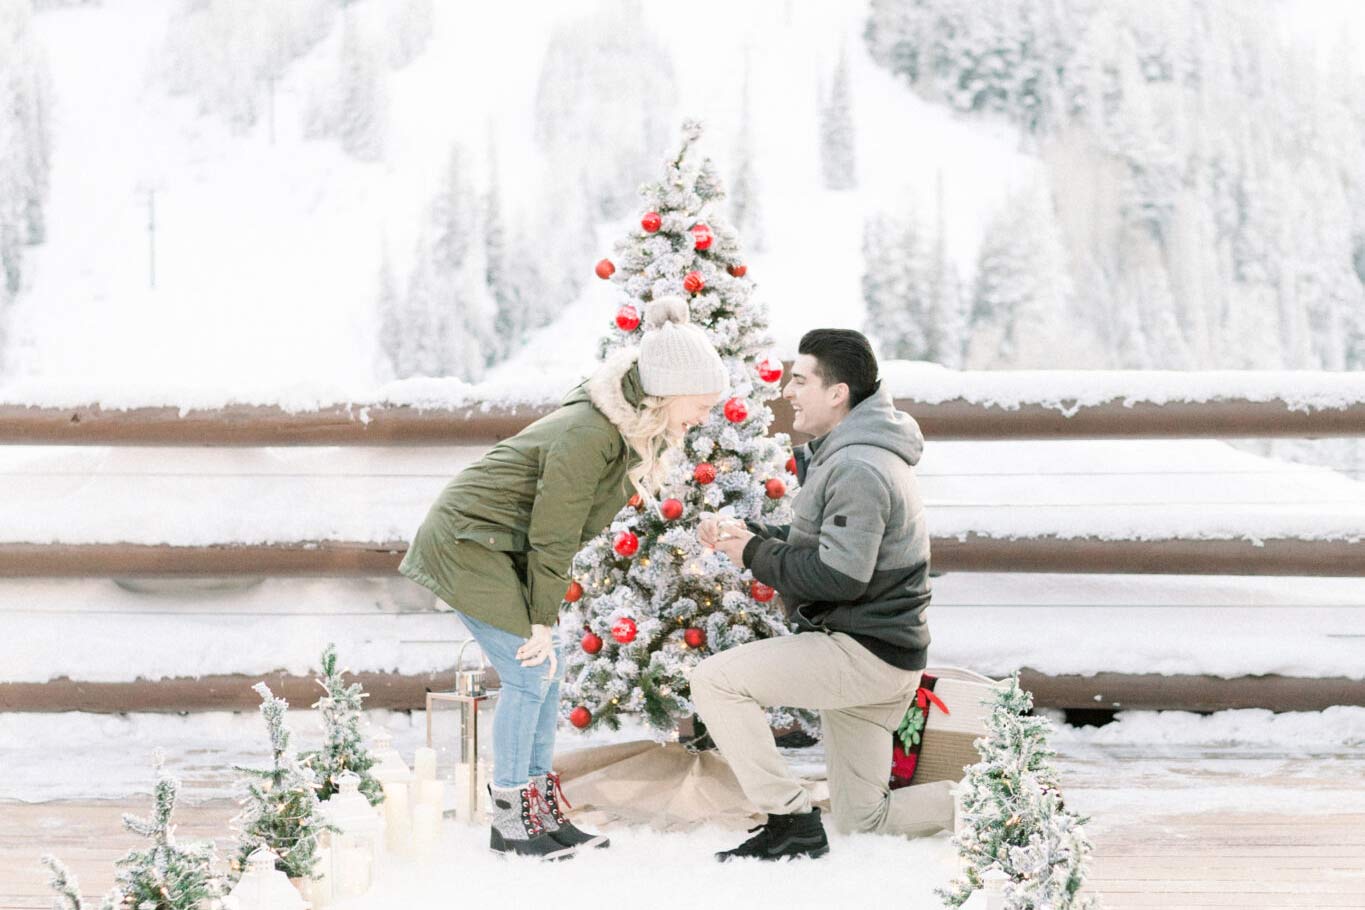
(861, 700)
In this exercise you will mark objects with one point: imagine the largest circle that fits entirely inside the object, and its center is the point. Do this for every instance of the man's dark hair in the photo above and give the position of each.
(843, 355)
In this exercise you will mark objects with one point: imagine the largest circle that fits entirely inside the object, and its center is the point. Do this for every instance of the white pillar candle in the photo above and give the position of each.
(432, 793)
(426, 763)
(397, 817)
(426, 827)
(320, 888)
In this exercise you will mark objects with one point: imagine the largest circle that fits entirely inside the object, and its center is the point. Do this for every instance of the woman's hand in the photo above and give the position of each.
(537, 648)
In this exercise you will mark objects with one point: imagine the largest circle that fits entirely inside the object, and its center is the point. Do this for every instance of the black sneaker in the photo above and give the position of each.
(783, 837)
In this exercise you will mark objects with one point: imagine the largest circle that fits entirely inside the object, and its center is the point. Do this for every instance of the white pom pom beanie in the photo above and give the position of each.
(676, 357)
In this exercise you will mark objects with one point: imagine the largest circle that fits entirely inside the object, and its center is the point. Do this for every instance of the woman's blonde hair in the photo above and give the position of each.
(647, 433)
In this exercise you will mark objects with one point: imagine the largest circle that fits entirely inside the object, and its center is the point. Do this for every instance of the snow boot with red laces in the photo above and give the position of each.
(517, 828)
(552, 816)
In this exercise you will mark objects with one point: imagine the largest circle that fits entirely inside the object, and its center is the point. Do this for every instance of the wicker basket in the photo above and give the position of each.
(948, 738)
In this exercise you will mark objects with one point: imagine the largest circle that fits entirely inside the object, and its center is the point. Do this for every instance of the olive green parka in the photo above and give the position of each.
(530, 504)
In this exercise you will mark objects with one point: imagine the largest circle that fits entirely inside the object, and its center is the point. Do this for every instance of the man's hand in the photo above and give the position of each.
(731, 540)
(537, 648)
(708, 530)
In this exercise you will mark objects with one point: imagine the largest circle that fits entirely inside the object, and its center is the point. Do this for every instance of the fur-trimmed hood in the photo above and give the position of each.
(614, 389)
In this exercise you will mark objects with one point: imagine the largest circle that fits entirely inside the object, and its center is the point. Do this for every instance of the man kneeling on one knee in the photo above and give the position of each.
(853, 572)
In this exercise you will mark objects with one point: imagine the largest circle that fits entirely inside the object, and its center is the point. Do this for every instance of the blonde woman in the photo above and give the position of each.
(497, 544)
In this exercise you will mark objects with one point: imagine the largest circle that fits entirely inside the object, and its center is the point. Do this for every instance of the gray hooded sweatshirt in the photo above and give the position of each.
(855, 558)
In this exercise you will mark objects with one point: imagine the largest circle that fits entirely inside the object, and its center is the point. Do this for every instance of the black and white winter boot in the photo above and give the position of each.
(517, 828)
(554, 820)
(783, 837)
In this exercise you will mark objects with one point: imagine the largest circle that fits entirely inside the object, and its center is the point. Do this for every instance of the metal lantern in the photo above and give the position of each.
(355, 845)
(263, 887)
(459, 728)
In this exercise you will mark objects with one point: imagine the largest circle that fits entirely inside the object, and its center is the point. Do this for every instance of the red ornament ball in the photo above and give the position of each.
(775, 488)
(760, 592)
(693, 282)
(702, 237)
(635, 501)
(671, 509)
(574, 593)
(695, 638)
(627, 318)
(623, 630)
(591, 643)
(738, 271)
(736, 411)
(580, 717)
(791, 465)
(626, 544)
(769, 370)
(651, 222)
(605, 269)
(704, 473)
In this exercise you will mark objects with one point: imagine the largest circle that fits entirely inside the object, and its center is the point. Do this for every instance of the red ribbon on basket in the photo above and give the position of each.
(924, 696)
(904, 760)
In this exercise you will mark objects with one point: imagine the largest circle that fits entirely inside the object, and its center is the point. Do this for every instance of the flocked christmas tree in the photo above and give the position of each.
(1014, 817)
(650, 601)
(165, 876)
(280, 809)
(64, 883)
(343, 749)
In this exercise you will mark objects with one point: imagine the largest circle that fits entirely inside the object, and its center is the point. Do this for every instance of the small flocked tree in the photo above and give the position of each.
(280, 809)
(165, 876)
(343, 749)
(1014, 816)
(651, 602)
(64, 883)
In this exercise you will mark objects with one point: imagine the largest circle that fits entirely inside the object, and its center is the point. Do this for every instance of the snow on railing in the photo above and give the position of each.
(949, 404)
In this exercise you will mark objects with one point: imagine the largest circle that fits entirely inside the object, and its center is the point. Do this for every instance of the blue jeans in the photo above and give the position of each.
(527, 709)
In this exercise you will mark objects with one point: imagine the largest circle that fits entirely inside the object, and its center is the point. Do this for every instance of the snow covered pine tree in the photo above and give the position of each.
(650, 600)
(1013, 815)
(280, 809)
(343, 749)
(165, 876)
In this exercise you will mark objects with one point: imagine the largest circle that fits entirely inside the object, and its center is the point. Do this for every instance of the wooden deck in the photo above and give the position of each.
(1244, 860)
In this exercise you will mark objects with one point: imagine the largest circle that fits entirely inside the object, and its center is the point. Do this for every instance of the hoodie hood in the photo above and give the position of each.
(874, 422)
(615, 388)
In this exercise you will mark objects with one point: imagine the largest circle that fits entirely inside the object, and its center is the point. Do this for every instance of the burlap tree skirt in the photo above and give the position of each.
(665, 786)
